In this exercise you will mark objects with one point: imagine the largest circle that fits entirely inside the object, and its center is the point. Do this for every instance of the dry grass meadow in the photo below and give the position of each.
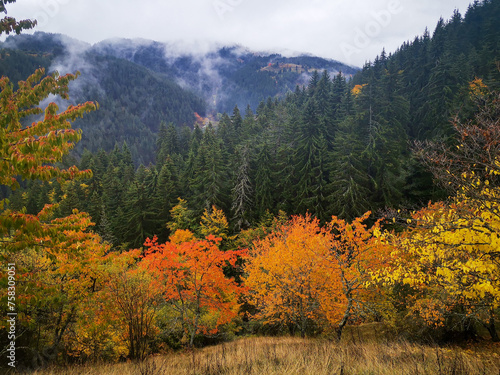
(289, 355)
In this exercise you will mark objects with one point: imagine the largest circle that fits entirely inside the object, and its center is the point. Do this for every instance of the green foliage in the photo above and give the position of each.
(9, 24)
(332, 147)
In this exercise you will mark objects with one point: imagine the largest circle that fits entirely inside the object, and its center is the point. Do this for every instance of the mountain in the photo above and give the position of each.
(141, 83)
(224, 76)
(133, 100)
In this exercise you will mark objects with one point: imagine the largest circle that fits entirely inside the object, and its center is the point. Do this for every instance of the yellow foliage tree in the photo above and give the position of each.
(451, 255)
(214, 223)
(450, 252)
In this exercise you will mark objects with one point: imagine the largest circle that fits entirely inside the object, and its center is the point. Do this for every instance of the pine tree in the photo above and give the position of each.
(167, 143)
(309, 160)
(249, 128)
(325, 107)
(264, 185)
(139, 217)
(166, 195)
(104, 228)
(227, 133)
(237, 122)
(126, 165)
(313, 84)
(338, 93)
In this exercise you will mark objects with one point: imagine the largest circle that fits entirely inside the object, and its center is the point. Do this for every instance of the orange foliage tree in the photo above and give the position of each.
(285, 276)
(55, 273)
(304, 273)
(193, 283)
(354, 253)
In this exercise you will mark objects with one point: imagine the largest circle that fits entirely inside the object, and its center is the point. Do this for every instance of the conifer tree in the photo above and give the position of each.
(310, 164)
(242, 193)
(210, 176)
(350, 184)
(167, 192)
(264, 186)
(325, 108)
(139, 220)
(237, 122)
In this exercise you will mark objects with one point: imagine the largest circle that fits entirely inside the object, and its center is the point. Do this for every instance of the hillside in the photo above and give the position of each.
(133, 100)
(140, 84)
(370, 202)
(223, 76)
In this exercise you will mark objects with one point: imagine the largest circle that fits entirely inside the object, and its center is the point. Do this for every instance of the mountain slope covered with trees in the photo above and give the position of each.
(140, 84)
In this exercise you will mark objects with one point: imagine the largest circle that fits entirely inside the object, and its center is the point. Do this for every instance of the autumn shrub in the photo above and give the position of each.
(190, 273)
(309, 278)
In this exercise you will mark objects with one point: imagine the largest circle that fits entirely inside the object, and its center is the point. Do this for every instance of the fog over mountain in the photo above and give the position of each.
(350, 31)
(224, 76)
(221, 74)
(141, 83)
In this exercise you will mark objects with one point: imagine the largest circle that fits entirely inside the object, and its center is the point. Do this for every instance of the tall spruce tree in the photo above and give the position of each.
(210, 178)
(350, 183)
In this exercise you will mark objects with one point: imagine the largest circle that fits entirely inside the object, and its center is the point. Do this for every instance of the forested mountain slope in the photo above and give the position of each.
(327, 185)
(224, 76)
(140, 83)
(133, 100)
(332, 147)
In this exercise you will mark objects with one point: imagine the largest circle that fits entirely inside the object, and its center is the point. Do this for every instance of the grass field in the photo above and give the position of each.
(288, 355)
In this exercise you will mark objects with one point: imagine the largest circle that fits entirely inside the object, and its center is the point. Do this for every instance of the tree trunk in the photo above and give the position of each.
(345, 318)
(196, 320)
(50, 353)
(492, 328)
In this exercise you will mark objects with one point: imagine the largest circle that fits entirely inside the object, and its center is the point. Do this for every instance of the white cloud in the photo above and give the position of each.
(320, 27)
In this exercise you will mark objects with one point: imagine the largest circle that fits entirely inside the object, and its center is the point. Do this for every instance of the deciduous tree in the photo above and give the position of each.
(450, 250)
(191, 274)
(303, 273)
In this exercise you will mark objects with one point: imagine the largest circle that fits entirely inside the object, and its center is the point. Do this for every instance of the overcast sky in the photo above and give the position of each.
(351, 31)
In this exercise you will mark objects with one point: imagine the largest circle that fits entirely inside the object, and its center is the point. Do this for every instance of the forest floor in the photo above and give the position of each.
(291, 355)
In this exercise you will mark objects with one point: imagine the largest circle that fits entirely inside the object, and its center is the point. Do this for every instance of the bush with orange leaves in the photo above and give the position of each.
(303, 273)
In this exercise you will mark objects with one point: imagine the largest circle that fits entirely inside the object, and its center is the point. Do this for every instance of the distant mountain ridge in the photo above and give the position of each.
(141, 83)
(133, 100)
(224, 76)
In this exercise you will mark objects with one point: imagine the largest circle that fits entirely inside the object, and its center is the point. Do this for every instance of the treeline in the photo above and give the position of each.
(434, 69)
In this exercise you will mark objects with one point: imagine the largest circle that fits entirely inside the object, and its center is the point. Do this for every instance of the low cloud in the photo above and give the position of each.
(318, 27)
